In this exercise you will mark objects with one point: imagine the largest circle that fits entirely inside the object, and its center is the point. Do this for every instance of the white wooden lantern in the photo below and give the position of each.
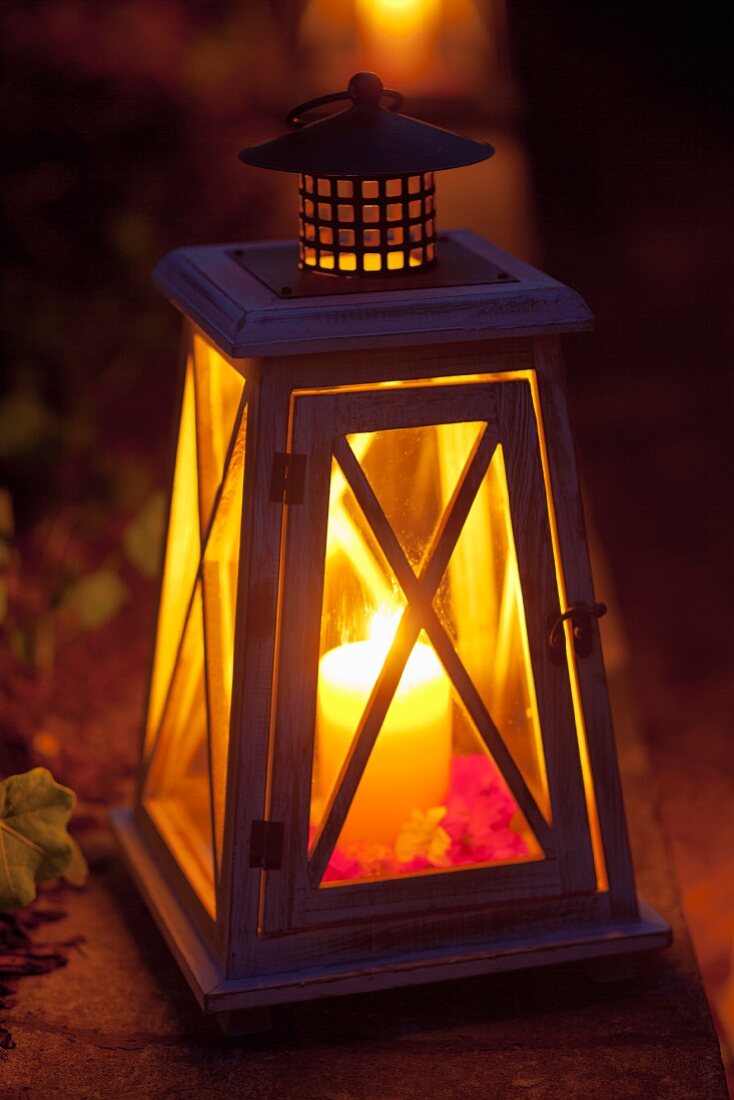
(378, 748)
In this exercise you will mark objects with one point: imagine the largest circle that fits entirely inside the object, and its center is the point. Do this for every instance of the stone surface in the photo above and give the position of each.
(119, 1020)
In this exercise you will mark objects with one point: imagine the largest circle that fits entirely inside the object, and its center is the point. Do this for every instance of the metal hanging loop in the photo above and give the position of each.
(365, 91)
(580, 615)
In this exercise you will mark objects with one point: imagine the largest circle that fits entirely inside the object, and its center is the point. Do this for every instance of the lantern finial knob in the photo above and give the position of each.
(365, 89)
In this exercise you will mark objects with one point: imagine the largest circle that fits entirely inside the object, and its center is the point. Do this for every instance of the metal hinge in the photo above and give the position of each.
(580, 615)
(266, 844)
(288, 479)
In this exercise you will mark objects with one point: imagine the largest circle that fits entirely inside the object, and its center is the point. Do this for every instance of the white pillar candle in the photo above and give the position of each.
(409, 766)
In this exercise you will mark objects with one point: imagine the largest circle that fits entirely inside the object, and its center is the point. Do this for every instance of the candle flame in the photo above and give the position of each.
(383, 626)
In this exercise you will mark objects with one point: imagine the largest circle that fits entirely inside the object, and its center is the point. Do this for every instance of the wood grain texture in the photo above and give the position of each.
(530, 525)
(566, 933)
(516, 951)
(331, 371)
(579, 586)
(292, 900)
(170, 909)
(150, 836)
(255, 634)
(297, 672)
(245, 318)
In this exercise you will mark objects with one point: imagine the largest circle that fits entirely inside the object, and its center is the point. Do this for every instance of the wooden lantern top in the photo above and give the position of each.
(484, 293)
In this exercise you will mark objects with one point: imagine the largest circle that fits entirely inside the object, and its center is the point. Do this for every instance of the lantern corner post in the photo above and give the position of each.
(595, 727)
(255, 667)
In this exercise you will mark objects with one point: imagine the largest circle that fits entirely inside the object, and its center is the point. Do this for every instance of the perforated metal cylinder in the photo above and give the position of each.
(360, 227)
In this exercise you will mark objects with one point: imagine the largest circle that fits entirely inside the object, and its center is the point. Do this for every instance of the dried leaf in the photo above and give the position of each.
(142, 539)
(95, 598)
(34, 843)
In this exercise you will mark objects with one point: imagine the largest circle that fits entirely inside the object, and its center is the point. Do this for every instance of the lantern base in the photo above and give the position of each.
(613, 940)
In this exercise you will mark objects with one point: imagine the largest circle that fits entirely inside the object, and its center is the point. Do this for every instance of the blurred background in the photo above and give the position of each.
(614, 172)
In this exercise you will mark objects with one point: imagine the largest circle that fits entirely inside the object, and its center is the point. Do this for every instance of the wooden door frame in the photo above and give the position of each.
(290, 900)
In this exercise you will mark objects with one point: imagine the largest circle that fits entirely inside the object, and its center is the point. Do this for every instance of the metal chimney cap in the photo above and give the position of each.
(366, 140)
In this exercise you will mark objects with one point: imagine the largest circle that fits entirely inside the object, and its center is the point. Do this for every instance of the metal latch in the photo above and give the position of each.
(580, 615)
(288, 479)
(266, 844)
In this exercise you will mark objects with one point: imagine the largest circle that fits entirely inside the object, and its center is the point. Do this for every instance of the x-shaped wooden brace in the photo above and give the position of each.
(419, 614)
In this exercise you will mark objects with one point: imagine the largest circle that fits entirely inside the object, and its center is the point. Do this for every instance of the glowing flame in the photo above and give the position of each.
(383, 626)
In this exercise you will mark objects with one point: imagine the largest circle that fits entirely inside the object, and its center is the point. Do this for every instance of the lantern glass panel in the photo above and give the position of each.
(430, 798)
(358, 582)
(219, 569)
(177, 791)
(480, 603)
(410, 473)
(182, 557)
(191, 688)
(218, 389)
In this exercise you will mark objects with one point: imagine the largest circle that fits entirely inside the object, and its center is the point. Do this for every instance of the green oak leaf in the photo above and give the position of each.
(34, 843)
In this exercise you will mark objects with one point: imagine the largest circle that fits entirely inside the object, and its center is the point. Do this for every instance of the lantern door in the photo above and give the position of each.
(424, 744)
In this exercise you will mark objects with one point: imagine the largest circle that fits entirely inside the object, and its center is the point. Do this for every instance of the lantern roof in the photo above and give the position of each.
(365, 140)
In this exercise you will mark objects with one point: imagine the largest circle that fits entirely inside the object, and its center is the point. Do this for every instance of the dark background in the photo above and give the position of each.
(120, 127)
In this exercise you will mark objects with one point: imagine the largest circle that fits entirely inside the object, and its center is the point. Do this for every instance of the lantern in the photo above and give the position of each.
(378, 747)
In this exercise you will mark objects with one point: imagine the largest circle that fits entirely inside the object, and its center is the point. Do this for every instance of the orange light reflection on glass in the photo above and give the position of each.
(182, 557)
(427, 741)
(184, 788)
